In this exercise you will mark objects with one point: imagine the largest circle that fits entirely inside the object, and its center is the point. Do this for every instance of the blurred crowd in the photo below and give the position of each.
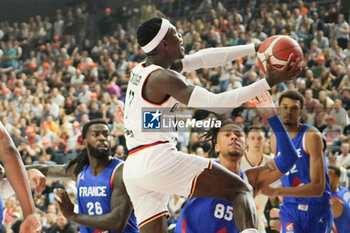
(54, 78)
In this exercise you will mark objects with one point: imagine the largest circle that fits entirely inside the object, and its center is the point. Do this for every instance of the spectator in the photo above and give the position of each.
(341, 31)
(343, 179)
(310, 102)
(321, 40)
(62, 225)
(332, 133)
(339, 113)
(321, 60)
(105, 24)
(95, 112)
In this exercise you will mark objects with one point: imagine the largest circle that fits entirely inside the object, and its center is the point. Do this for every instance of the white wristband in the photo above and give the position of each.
(214, 57)
(250, 230)
(202, 98)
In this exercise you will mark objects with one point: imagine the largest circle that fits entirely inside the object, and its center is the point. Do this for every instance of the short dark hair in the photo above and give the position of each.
(294, 95)
(336, 170)
(148, 30)
(255, 128)
(90, 123)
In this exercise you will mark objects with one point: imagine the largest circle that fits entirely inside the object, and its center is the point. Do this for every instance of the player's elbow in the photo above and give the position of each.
(116, 229)
(318, 189)
(116, 226)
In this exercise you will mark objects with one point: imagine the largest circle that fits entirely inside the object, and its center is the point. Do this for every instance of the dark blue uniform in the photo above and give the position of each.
(305, 215)
(94, 196)
(207, 215)
(342, 223)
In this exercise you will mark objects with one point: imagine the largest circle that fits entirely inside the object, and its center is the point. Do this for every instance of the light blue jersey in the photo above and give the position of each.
(94, 196)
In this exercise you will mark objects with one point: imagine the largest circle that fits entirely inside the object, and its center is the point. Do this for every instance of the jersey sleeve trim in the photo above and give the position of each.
(112, 176)
(166, 213)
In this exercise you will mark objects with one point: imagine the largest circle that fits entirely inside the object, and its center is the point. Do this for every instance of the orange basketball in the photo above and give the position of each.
(279, 49)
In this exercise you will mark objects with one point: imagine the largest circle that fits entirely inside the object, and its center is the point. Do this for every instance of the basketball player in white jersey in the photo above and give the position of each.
(154, 168)
(255, 157)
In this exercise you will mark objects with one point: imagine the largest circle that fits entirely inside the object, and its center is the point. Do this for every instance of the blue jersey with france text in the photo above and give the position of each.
(299, 174)
(94, 196)
(342, 223)
(207, 215)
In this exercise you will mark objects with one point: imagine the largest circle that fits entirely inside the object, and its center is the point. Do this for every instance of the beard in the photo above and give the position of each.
(234, 153)
(98, 154)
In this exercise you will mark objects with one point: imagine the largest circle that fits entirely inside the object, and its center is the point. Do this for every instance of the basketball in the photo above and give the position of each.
(279, 48)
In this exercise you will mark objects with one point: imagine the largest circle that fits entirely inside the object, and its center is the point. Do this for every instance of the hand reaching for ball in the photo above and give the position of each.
(286, 73)
(280, 58)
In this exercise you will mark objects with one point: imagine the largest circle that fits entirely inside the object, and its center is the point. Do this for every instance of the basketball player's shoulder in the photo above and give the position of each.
(312, 129)
(168, 73)
(313, 137)
(166, 76)
(118, 164)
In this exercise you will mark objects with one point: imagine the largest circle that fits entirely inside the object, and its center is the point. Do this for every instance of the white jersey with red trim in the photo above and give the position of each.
(142, 118)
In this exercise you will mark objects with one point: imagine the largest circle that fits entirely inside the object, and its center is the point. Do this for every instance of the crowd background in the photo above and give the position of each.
(59, 72)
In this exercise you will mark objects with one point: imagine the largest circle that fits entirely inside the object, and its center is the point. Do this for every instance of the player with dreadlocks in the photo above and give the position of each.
(228, 143)
(102, 198)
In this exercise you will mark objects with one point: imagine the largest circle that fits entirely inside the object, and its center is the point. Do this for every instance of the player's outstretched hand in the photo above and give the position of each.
(119, 114)
(64, 203)
(37, 180)
(288, 72)
(264, 105)
(30, 224)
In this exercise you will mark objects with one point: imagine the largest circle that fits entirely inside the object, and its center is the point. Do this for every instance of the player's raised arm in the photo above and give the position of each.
(317, 170)
(275, 168)
(115, 221)
(212, 57)
(166, 82)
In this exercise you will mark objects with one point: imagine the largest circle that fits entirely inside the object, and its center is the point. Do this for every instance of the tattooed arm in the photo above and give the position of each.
(262, 176)
(275, 168)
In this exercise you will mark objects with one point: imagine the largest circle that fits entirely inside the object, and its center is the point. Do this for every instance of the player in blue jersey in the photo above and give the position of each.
(306, 190)
(103, 202)
(341, 202)
(214, 215)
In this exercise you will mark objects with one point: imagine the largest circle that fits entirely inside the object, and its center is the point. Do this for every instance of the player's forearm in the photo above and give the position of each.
(214, 57)
(51, 171)
(288, 154)
(202, 98)
(108, 222)
(41, 167)
(308, 190)
(18, 178)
